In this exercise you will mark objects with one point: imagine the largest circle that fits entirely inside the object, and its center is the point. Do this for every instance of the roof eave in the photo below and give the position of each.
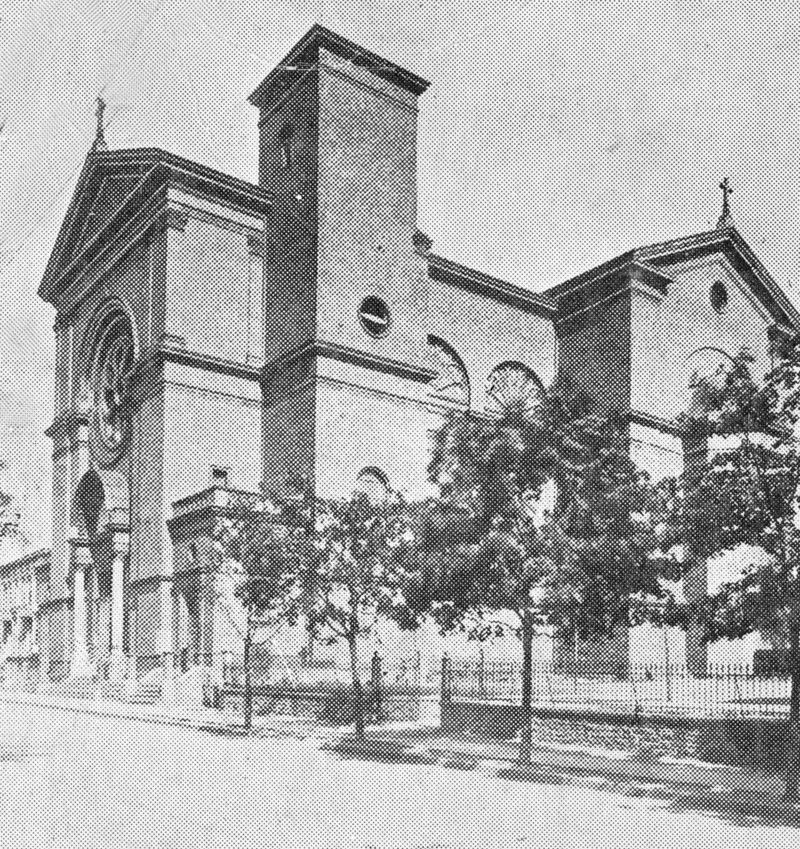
(319, 36)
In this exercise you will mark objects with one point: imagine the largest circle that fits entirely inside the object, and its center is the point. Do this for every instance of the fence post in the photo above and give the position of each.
(737, 690)
(637, 710)
(447, 694)
(377, 683)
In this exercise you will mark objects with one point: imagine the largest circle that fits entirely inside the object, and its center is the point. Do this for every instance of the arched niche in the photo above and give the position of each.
(451, 384)
(374, 483)
(704, 366)
(513, 384)
(89, 503)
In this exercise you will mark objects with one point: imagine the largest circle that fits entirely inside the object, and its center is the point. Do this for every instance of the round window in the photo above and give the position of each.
(719, 296)
(374, 316)
(110, 375)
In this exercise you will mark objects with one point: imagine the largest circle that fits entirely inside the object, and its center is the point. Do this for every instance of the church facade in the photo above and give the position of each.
(214, 336)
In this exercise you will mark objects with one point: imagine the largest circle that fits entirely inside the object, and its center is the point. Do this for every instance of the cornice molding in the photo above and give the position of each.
(780, 333)
(174, 219)
(656, 422)
(628, 276)
(67, 423)
(353, 356)
(398, 368)
(173, 349)
(446, 271)
(257, 245)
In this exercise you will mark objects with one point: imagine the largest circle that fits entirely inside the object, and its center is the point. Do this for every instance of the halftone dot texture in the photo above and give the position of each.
(553, 138)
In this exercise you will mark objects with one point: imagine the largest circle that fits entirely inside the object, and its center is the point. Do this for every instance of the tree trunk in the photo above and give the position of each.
(358, 691)
(526, 732)
(793, 749)
(248, 686)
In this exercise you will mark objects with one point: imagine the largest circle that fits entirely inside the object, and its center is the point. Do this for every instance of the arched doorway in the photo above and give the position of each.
(100, 521)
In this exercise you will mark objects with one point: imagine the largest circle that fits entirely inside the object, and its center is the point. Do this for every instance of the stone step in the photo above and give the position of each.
(145, 694)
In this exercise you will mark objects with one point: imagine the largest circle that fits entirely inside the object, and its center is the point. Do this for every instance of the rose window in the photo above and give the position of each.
(112, 369)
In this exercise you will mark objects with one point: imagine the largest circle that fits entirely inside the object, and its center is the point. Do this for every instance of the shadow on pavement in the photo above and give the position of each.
(742, 808)
(717, 796)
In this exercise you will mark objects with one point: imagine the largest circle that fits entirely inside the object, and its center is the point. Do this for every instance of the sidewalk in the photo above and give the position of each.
(682, 782)
(165, 713)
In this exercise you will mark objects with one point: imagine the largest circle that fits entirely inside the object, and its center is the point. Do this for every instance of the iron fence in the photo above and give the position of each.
(294, 672)
(725, 690)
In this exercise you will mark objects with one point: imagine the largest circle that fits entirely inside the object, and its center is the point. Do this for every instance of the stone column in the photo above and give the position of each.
(80, 666)
(117, 662)
(166, 638)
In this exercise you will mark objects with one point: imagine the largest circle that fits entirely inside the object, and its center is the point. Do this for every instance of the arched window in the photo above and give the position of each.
(285, 146)
(451, 384)
(373, 483)
(513, 384)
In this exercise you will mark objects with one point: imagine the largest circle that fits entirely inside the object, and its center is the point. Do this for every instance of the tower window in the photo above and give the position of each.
(286, 155)
(374, 316)
(285, 141)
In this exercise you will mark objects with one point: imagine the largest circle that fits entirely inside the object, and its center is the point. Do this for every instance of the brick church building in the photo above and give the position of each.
(213, 336)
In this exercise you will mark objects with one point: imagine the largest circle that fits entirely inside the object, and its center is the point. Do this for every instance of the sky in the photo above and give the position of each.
(555, 135)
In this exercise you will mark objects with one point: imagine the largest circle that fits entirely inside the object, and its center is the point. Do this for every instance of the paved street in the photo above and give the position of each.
(77, 780)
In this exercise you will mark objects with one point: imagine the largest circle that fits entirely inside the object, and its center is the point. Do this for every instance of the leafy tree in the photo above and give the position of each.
(329, 560)
(259, 587)
(349, 575)
(491, 549)
(742, 490)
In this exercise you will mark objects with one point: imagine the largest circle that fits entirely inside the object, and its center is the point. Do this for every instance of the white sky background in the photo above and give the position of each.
(554, 135)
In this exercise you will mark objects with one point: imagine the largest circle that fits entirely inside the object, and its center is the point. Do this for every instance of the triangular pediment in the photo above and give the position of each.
(651, 266)
(114, 188)
(121, 189)
(104, 186)
(730, 244)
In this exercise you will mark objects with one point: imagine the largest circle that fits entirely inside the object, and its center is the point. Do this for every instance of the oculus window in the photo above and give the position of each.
(374, 316)
(718, 296)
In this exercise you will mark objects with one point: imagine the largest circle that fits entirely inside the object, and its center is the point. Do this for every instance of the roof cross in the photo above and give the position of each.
(99, 139)
(725, 219)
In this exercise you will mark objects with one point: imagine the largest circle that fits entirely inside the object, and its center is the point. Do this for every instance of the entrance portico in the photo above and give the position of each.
(98, 572)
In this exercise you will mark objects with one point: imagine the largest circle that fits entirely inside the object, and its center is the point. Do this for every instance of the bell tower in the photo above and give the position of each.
(345, 279)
